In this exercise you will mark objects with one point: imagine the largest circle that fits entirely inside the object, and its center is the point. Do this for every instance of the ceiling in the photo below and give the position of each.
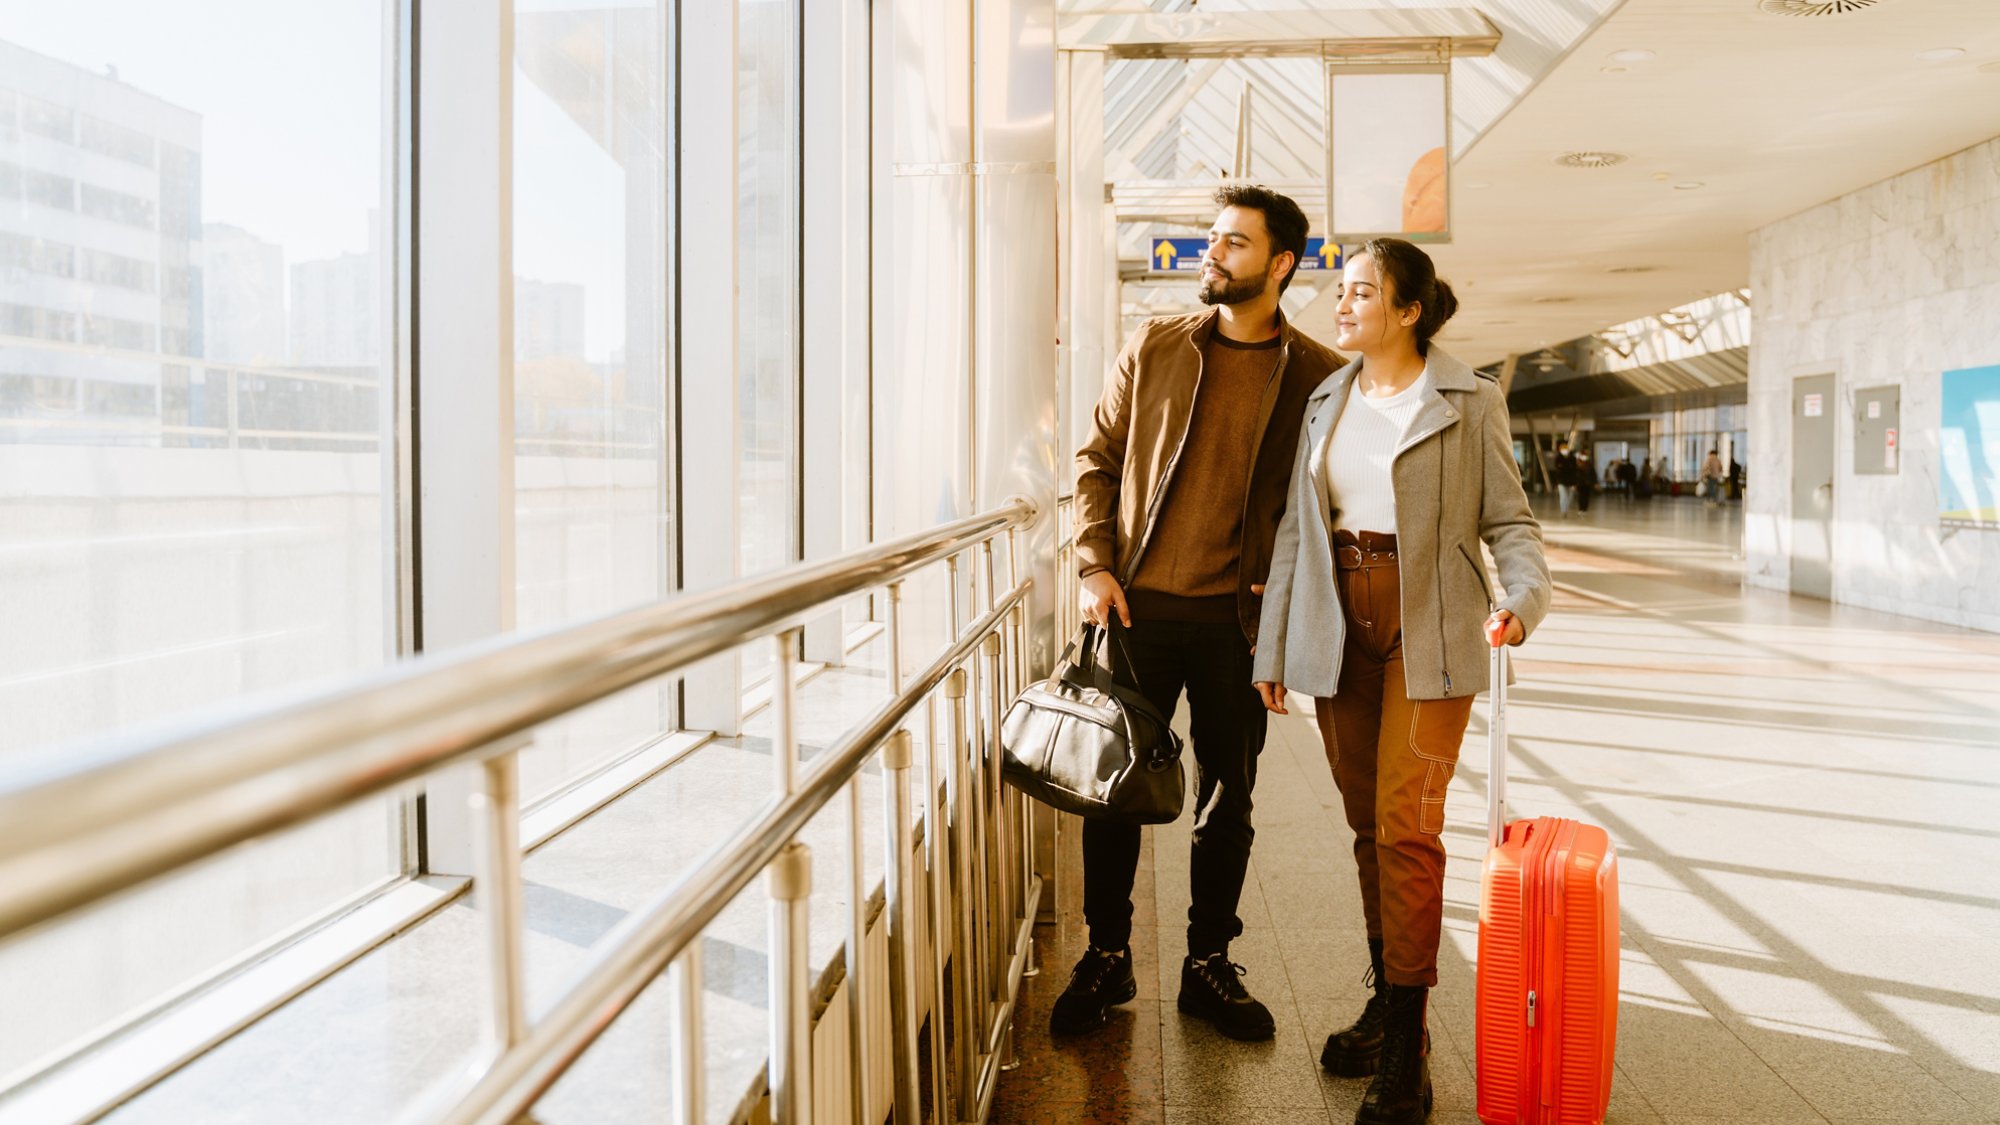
(1770, 114)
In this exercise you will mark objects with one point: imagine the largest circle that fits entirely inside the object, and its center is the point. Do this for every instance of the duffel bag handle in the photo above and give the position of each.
(1082, 664)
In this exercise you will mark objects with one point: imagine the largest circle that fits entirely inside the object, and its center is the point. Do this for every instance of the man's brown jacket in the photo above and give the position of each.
(1124, 470)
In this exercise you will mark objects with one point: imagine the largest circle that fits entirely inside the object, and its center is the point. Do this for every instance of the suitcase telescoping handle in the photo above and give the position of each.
(1496, 736)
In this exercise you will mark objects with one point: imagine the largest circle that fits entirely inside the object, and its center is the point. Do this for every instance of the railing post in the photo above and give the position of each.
(684, 978)
(784, 710)
(895, 633)
(937, 885)
(790, 883)
(1024, 811)
(974, 837)
(999, 866)
(857, 954)
(899, 917)
(498, 882)
(968, 1004)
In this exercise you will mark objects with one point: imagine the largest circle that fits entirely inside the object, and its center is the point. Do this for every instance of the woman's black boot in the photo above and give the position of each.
(1357, 1051)
(1401, 1091)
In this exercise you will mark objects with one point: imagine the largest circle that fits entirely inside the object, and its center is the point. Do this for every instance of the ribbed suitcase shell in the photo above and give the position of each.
(1548, 927)
(1548, 924)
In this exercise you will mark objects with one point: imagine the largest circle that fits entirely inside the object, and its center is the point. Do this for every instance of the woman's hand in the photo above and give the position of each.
(1504, 621)
(1274, 697)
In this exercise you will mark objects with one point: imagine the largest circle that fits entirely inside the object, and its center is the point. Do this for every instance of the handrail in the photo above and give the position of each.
(635, 952)
(117, 811)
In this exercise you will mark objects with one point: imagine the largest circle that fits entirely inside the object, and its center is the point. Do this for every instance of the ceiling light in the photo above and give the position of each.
(1940, 54)
(1590, 159)
(1815, 7)
(1632, 55)
(1691, 185)
(1631, 269)
(1613, 69)
(1990, 68)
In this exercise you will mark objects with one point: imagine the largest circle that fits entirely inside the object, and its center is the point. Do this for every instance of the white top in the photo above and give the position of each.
(1354, 460)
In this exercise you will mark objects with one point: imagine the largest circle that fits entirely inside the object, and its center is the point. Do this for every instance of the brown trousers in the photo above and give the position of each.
(1392, 758)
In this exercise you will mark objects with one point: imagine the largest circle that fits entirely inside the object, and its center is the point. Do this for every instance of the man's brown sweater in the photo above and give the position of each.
(1191, 572)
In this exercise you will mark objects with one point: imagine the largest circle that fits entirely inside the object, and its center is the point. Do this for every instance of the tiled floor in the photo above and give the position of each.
(1804, 802)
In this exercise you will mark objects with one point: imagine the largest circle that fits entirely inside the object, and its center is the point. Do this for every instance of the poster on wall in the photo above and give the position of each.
(1969, 448)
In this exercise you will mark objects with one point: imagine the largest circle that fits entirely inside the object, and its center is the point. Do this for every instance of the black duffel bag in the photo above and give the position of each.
(1087, 742)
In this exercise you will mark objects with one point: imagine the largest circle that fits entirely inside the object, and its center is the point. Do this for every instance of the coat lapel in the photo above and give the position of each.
(1449, 379)
(1328, 399)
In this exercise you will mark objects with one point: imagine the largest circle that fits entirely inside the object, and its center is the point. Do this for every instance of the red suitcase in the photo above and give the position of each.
(1548, 957)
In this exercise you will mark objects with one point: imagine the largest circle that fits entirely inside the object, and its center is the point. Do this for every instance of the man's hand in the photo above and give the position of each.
(1274, 697)
(1099, 596)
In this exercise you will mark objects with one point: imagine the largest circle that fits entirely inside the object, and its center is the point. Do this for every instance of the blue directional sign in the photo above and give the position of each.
(1183, 255)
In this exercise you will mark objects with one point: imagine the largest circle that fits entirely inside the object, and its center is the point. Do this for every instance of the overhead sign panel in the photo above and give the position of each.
(1183, 255)
(1388, 162)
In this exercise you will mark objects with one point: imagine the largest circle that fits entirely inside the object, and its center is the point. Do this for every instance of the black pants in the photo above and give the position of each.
(1212, 662)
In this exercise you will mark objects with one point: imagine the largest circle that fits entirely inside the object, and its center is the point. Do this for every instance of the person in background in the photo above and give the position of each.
(1586, 480)
(1712, 478)
(1376, 606)
(1565, 475)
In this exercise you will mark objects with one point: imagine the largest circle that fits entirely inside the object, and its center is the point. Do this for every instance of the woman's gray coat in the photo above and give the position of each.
(1456, 484)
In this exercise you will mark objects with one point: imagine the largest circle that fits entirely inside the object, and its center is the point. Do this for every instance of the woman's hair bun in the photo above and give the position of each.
(1413, 280)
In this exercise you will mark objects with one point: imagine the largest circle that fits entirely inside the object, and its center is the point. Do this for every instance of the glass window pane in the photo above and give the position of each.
(193, 340)
(592, 528)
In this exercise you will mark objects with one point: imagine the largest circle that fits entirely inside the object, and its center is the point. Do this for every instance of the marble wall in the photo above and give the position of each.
(1895, 283)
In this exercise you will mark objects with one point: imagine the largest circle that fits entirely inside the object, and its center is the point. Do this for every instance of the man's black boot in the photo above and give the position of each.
(1212, 988)
(1401, 1091)
(1357, 1051)
(1099, 980)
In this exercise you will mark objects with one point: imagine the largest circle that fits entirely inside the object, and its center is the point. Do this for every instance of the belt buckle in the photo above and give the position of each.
(1349, 557)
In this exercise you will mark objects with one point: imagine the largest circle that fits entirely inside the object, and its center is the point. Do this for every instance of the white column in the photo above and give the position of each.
(465, 358)
(1014, 315)
(710, 424)
(835, 305)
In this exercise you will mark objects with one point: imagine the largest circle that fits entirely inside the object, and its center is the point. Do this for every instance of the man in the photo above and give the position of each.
(1179, 492)
(1565, 474)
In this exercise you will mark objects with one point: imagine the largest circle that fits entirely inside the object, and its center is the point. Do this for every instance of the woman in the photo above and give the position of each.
(1376, 604)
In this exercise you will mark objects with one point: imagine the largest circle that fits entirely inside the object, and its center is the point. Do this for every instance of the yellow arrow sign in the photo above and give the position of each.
(1165, 253)
(1328, 252)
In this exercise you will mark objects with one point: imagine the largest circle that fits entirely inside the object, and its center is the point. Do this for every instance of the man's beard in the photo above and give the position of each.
(1231, 291)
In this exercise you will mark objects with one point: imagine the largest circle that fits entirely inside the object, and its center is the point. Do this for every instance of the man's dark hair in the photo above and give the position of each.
(1282, 218)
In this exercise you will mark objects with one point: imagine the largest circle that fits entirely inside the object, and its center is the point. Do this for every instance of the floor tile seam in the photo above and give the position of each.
(1729, 1028)
(1941, 1080)
(1633, 1087)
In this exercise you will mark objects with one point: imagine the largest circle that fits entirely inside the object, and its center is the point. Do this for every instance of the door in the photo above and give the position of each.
(1812, 486)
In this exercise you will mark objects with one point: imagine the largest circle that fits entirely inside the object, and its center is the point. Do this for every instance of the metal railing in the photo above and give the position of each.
(132, 809)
